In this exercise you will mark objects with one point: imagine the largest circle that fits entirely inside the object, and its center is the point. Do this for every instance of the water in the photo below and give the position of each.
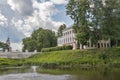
(36, 73)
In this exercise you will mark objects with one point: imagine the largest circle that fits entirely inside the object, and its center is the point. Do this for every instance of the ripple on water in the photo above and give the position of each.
(34, 76)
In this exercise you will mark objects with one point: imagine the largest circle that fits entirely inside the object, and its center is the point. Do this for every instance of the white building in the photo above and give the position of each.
(68, 38)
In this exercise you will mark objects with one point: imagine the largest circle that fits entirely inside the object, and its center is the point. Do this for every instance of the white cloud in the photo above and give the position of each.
(24, 7)
(3, 20)
(28, 15)
(42, 17)
(16, 46)
(45, 9)
(59, 1)
(22, 26)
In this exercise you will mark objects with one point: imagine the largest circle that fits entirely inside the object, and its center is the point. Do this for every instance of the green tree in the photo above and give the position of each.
(29, 44)
(78, 11)
(95, 19)
(82, 36)
(4, 46)
(61, 28)
(40, 38)
(110, 23)
(106, 19)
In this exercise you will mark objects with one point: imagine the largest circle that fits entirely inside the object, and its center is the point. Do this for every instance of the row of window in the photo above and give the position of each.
(66, 40)
(67, 33)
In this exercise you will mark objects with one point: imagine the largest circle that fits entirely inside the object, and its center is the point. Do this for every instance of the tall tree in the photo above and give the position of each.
(29, 44)
(40, 38)
(95, 19)
(95, 16)
(78, 11)
(61, 28)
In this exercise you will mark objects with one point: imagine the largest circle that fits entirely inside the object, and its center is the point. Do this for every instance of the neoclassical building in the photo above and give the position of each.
(68, 38)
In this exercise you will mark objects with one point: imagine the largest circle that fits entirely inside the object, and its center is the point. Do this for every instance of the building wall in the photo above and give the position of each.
(68, 38)
(60, 41)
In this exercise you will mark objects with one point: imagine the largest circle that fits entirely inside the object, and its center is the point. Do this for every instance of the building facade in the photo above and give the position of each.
(68, 38)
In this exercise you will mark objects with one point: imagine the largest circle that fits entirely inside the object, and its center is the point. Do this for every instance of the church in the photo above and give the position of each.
(8, 43)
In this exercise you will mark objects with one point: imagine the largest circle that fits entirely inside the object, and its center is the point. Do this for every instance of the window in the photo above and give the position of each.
(108, 45)
(91, 44)
(101, 44)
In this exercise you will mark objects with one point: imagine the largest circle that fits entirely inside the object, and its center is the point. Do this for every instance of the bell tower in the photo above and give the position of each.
(8, 43)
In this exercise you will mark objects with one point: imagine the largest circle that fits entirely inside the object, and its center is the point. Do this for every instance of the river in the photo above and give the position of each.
(37, 73)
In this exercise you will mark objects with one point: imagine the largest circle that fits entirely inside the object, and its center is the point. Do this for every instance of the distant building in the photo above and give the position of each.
(8, 43)
(68, 38)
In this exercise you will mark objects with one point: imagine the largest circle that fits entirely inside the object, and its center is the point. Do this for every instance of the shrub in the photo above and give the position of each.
(69, 47)
(103, 56)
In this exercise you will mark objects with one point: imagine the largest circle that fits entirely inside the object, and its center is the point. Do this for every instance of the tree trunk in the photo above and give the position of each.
(116, 43)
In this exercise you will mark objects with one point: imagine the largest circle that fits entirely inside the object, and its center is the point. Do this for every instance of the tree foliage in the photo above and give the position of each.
(61, 28)
(41, 38)
(78, 11)
(95, 19)
(4, 46)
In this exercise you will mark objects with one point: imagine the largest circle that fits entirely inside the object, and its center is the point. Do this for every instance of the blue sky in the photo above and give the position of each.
(61, 15)
(18, 18)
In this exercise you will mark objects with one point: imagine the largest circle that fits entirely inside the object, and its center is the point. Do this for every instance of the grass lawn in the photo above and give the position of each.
(72, 58)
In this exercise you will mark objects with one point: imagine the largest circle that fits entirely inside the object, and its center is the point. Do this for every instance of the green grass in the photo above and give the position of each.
(70, 59)
(5, 62)
(73, 58)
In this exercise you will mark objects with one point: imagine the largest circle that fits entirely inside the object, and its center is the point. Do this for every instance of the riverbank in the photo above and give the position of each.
(77, 58)
(69, 59)
(5, 62)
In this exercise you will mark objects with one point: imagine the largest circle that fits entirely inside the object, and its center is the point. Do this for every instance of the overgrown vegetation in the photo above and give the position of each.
(69, 59)
(5, 62)
(69, 47)
(3, 46)
(73, 58)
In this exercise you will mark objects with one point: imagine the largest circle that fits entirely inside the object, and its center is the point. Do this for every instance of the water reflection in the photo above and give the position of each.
(29, 74)
(36, 73)
(86, 73)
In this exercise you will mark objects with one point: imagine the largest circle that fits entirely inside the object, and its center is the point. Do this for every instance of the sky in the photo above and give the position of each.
(18, 18)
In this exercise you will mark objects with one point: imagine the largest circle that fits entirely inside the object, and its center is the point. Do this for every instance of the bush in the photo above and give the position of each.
(103, 56)
(69, 47)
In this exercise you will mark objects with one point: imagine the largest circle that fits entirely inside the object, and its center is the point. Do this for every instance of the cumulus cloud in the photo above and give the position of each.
(21, 17)
(16, 46)
(9, 30)
(3, 20)
(45, 9)
(59, 1)
(41, 17)
(24, 7)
